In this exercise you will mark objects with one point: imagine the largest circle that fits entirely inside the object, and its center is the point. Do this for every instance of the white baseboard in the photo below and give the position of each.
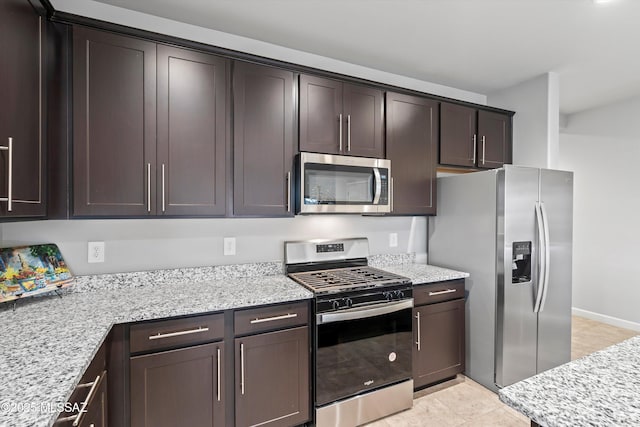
(609, 320)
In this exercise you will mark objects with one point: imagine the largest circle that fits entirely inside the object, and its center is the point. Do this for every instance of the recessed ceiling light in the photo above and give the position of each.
(603, 1)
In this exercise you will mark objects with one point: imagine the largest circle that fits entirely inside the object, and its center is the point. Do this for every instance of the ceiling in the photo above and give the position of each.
(475, 45)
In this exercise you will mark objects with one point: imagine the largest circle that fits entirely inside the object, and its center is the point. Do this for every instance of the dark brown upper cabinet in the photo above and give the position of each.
(475, 138)
(264, 140)
(494, 145)
(114, 116)
(412, 135)
(22, 165)
(124, 91)
(341, 118)
(192, 117)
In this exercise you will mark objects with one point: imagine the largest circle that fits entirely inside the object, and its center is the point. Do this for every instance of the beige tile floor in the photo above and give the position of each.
(463, 402)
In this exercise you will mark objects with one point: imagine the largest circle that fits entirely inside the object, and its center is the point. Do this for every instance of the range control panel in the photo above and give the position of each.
(330, 247)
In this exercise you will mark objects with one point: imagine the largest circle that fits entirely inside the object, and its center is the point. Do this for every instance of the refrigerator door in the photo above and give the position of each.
(516, 321)
(554, 320)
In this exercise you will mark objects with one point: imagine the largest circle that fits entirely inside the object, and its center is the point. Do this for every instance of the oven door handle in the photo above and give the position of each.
(363, 312)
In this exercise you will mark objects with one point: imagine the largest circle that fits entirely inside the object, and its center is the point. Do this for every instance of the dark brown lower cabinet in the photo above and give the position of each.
(88, 402)
(439, 330)
(272, 378)
(183, 387)
(96, 415)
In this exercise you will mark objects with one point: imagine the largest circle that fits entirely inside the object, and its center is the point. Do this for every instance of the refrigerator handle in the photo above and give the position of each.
(541, 257)
(547, 255)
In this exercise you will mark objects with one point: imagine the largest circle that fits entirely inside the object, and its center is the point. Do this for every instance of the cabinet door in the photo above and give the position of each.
(364, 111)
(182, 387)
(458, 139)
(21, 92)
(263, 115)
(114, 116)
(320, 113)
(412, 135)
(494, 144)
(96, 415)
(438, 352)
(272, 378)
(192, 133)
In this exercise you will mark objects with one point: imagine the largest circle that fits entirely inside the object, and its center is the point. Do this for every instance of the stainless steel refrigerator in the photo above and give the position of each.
(511, 229)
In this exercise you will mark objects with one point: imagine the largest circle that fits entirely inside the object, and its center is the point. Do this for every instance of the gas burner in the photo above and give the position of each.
(349, 278)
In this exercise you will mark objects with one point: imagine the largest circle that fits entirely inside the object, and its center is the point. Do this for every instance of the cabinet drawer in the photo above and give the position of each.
(88, 397)
(255, 320)
(173, 333)
(438, 292)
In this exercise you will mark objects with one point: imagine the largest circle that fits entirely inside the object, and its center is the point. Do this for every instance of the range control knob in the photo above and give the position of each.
(335, 304)
(388, 295)
(348, 302)
(399, 294)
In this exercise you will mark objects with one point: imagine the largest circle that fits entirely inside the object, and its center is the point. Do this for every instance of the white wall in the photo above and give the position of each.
(536, 122)
(156, 24)
(148, 244)
(602, 147)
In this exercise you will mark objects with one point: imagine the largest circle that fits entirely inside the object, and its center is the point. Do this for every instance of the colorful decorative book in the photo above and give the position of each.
(31, 270)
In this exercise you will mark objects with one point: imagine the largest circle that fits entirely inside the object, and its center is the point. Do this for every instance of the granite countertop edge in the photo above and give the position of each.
(67, 332)
(598, 389)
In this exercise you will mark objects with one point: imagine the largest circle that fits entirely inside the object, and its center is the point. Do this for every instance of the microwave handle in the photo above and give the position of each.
(378, 189)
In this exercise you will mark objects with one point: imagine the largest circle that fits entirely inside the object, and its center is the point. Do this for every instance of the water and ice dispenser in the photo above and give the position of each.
(521, 262)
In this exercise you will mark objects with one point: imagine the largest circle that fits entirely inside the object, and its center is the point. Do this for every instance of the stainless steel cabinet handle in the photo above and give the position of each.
(158, 336)
(340, 133)
(475, 147)
(9, 198)
(348, 132)
(218, 373)
(288, 191)
(448, 291)
(163, 205)
(483, 147)
(418, 329)
(242, 369)
(148, 187)
(83, 408)
(273, 318)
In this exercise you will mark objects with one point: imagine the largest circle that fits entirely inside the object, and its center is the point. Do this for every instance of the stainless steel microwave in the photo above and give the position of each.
(343, 184)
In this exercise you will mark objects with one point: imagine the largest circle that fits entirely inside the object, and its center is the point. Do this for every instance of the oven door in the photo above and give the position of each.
(361, 349)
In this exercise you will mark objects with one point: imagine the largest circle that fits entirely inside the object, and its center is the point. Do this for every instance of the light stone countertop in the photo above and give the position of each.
(600, 389)
(47, 343)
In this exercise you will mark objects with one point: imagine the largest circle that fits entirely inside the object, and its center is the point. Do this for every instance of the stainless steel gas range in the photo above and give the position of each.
(362, 331)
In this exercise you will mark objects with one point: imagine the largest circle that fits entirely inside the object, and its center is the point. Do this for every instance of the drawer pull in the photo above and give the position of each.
(447, 291)
(92, 391)
(274, 318)
(179, 333)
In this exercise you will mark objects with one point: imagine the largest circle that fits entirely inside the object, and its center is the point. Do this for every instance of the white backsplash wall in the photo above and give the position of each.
(151, 244)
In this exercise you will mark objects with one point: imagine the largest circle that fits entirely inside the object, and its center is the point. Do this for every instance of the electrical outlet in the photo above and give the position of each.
(95, 252)
(393, 240)
(229, 246)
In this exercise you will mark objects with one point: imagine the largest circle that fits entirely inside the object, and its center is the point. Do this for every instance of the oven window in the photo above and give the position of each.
(338, 185)
(360, 355)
